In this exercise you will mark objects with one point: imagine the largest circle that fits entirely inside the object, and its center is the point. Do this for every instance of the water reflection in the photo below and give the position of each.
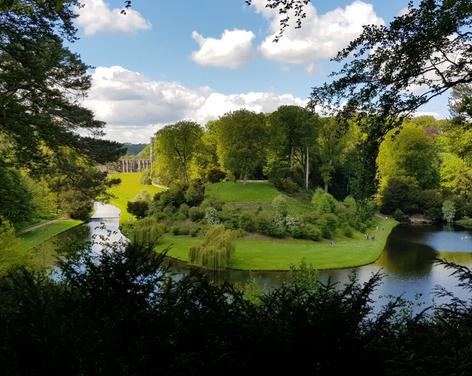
(407, 261)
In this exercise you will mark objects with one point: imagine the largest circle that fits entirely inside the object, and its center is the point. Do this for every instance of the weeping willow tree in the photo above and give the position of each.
(146, 232)
(216, 249)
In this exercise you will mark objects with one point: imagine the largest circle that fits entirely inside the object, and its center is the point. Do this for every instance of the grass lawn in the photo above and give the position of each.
(251, 195)
(127, 190)
(280, 254)
(38, 235)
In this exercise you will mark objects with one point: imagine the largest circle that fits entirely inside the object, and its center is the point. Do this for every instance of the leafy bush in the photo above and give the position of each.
(138, 208)
(327, 223)
(312, 232)
(247, 222)
(347, 231)
(194, 195)
(147, 232)
(230, 218)
(216, 250)
(323, 202)
(449, 211)
(401, 217)
(215, 175)
(211, 216)
(280, 205)
(184, 210)
(174, 197)
(196, 214)
(266, 226)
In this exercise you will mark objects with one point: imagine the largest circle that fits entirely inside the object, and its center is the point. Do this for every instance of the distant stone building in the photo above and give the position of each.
(135, 165)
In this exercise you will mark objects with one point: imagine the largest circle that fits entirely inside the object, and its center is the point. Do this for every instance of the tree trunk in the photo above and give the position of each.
(326, 186)
(307, 168)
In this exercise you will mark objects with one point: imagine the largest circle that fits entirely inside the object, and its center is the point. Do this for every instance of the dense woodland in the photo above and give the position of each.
(122, 312)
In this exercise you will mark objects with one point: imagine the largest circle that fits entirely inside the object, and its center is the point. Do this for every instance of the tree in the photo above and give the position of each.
(292, 133)
(176, 147)
(410, 153)
(241, 142)
(42, 84)
(393, 70)
(331, 149)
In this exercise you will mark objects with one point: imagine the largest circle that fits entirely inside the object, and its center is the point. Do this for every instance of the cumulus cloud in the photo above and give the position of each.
(231, 50)
(96, 16)
(135, 106)
(320, 37)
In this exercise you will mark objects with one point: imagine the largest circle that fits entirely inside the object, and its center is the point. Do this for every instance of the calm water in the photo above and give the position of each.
(407, 261)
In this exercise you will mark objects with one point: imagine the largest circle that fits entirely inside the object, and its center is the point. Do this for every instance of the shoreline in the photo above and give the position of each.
(266, 256)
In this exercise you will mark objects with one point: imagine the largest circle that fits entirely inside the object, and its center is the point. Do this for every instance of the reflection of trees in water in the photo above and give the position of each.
(461, 258)
(407, 258)
(46, 254)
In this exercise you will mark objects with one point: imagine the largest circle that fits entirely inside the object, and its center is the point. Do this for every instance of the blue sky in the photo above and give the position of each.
(169, 60)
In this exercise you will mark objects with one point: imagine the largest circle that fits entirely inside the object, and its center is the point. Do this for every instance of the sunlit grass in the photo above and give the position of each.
(280, 254)
(127, 190)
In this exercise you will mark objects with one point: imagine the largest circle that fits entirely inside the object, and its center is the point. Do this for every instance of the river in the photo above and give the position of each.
(407, 261)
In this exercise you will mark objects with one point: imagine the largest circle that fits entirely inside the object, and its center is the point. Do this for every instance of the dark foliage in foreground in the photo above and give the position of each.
(125, 315)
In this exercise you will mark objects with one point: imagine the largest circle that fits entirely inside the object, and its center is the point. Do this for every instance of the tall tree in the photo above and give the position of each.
(41, 85)
(292, 134)
(241, 142)
(175, 148)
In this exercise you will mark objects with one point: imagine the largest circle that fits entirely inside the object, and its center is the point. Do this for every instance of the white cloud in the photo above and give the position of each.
(320, 37)
(96, 16)
(135, 106)
(231, 50)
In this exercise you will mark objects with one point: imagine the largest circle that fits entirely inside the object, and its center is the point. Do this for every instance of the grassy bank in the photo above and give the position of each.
(127, 190)
(29, 239)
(252, 195)
(280, 254)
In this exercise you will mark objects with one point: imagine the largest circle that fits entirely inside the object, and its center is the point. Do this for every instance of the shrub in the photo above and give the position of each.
(211, 216)
(194, 231)
(297, 232)
(184, 209)
(230, 218)
(347, 231)
(215, 175)
(327, 224)
(216, 249)
(138, 208)
(174, 197)
(211, 202)
(179, 216)
(280, 205)
(285, 185)
(196, 214)
(312, 232)
(194, 196)
(147, 232)
(247, 222)
(266, 226)
(401, 217)
(143, 196)
(449, 211)
(323, 202)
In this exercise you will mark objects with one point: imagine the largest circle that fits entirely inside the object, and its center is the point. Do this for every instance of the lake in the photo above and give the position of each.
(407, 261)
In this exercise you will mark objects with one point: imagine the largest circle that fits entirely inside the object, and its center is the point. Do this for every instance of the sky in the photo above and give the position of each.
(171, 60)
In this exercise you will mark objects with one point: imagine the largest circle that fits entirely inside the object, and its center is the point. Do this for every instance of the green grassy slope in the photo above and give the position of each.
(279, 254)
(251, 195)
(38, 235)
(127, 190)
